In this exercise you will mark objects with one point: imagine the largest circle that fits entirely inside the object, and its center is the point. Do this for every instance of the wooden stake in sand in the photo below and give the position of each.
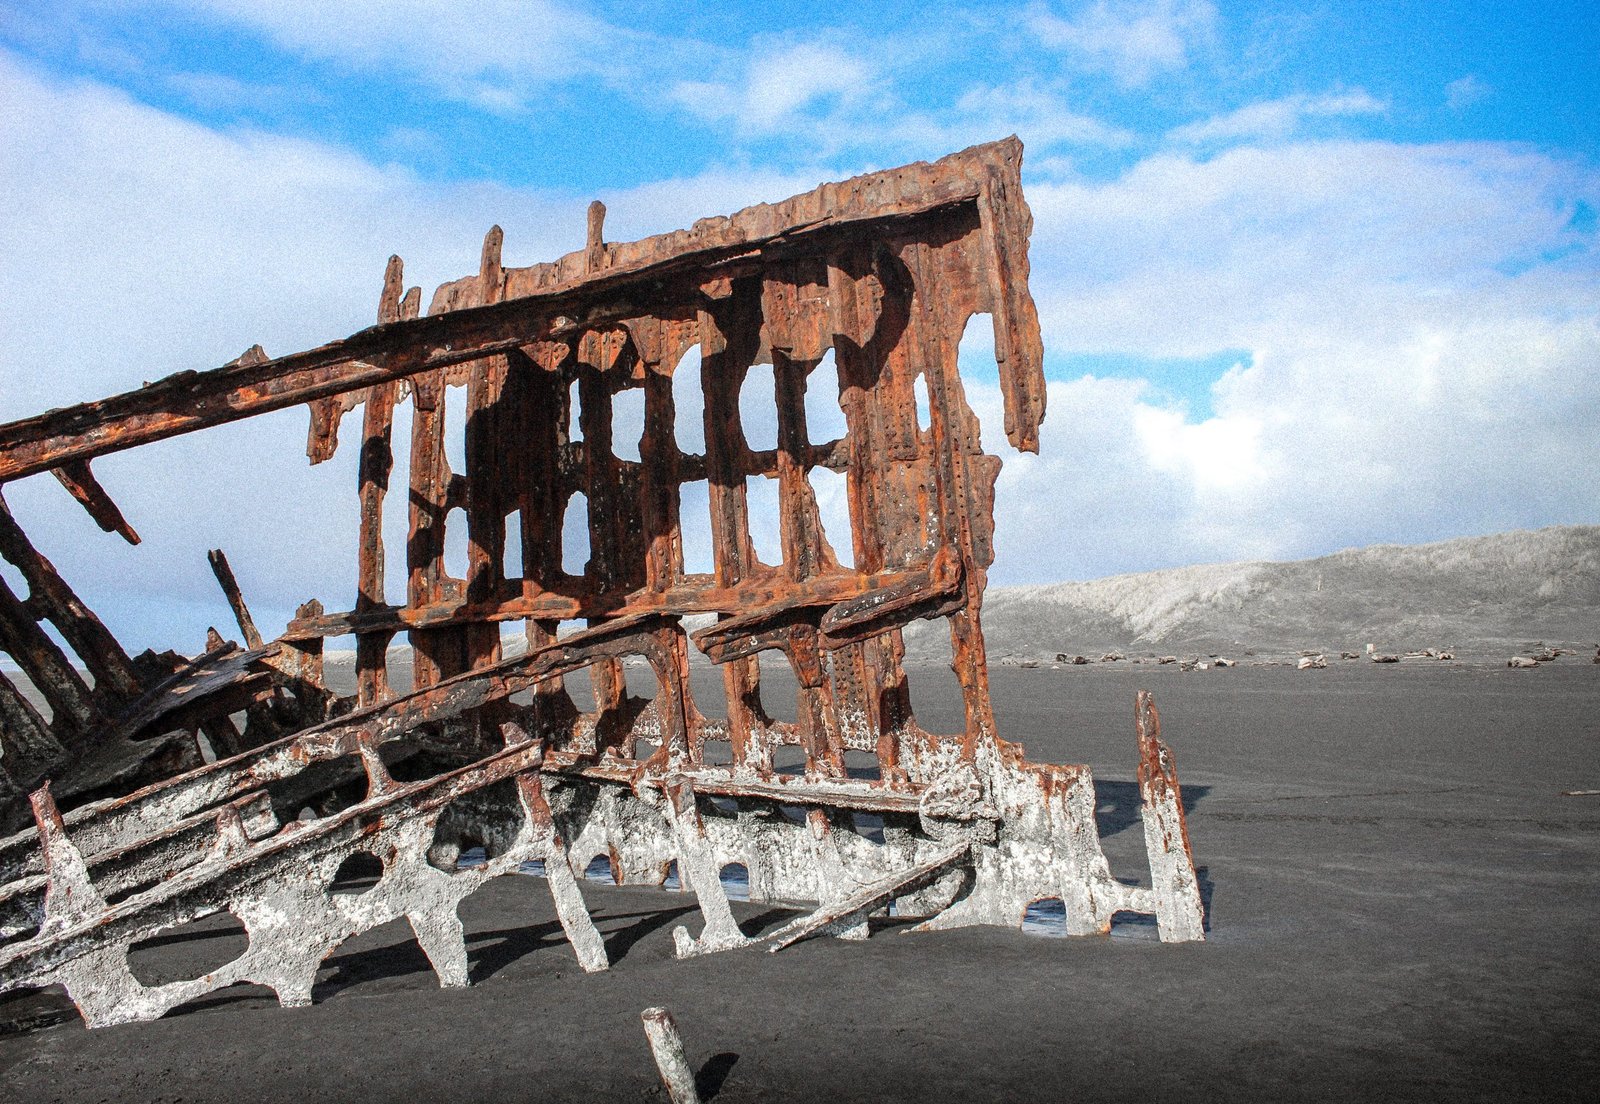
(667, 1046)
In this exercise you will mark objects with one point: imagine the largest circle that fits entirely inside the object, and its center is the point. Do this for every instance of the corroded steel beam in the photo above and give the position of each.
(553, 299)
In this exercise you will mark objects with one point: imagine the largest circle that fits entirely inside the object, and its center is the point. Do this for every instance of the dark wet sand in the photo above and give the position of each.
(1403, 907)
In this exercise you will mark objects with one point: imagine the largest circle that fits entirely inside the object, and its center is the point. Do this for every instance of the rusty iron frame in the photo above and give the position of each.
(877, 277)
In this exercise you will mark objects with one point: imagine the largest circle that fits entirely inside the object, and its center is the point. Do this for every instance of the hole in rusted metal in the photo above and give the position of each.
(832, 492)
(735, 880)
(694, 521)
(936, 696)
(599, 870)
(511, 552)
(689, 405)
(706, 688)
(788, 759)
(780, 690)
(15, 580)
(580, 688)
(574, 413)
(766, 530)
(627, 423)
(975, 354)
(716, 753)
(924, 407)
(359, 873)
(395, 522)
(1047, 916)
(861, 764)
(453, 402)
(869, 826)
(189, 951)
(825, 420)
(455, 543)
(758, 408)
(575, 535)
(1135, 927)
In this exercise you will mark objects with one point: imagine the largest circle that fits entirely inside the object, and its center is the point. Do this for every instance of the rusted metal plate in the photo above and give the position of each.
(563, 381)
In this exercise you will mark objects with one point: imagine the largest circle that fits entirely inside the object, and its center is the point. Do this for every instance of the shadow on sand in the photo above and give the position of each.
(1116, 804)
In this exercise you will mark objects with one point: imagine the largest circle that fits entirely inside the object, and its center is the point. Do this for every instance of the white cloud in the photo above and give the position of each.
(1040, 116)
(494, 54)
(1465, 91)
(1183, 257)
(1415, 370)
(1132, 40)
(1277, 119)
(779, 88)
(825, 98)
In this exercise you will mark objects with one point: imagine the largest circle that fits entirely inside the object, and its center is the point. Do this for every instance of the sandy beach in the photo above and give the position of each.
(1400, 907)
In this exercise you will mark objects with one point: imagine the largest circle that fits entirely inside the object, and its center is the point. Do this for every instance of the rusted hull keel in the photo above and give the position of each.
(642, 401)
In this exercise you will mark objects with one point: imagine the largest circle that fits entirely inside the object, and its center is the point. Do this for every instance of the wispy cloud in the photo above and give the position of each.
(1465, 91)
(782, 87)
(1409, 350)
(1042, 116)
(496, 55)
(1278, 119)
(1133, 40)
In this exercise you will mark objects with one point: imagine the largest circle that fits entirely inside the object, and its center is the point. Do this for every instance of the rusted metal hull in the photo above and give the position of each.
(857, 294)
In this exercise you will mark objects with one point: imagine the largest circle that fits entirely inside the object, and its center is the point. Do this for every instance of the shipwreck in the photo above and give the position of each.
(166, 787)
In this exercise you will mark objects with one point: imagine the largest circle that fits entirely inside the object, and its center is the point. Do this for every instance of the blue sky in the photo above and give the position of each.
(1311, 276)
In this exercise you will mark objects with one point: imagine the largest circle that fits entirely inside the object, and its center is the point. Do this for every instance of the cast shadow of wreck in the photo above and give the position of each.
(708, 1082)
(1116, 804)
(1116, 809)
(489, 952)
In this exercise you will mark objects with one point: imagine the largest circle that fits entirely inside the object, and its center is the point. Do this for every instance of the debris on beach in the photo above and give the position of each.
(666, 1046)
(1523, 661)
(1311, 662)
(124, 827)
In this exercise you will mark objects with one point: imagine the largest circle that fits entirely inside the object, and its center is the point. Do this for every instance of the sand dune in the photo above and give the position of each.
(1474, 593)
(1481, 596)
